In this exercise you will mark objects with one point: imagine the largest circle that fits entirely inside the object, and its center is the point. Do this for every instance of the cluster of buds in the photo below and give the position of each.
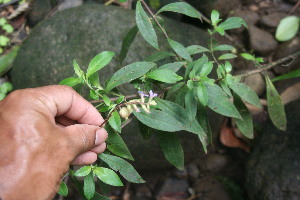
(135, 103)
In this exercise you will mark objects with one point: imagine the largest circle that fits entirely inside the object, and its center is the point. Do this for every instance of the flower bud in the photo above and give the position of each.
(124, 112)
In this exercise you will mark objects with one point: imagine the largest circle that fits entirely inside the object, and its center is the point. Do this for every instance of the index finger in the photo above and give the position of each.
(64, 101)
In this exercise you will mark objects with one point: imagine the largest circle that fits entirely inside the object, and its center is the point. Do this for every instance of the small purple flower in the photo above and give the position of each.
(152, 94)
(142, 94)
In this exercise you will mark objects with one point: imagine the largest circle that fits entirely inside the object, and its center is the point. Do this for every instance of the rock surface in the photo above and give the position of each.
(81, 33)
(285, 49)
(223, 6)
(261, 41)
(274, 166)
(272, 20)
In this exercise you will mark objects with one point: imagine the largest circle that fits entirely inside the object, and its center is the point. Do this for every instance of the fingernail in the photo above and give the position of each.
(98, 136)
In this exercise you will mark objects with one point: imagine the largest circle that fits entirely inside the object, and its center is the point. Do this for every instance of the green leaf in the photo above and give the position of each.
(106, 100)
(72, 81)
(94, 80)
(108, 176)
(223, 47)
(128, 73)
(214, 17)
(8, 28)
(164, 75)
(94, 95)
(180, 50)
(246, 93)
(172, 149)
(120, 99)
(4, 40)
(6, 87)
(275, 106)
(233, 22)
(198, 64)
(247, 56)
(99, 61)
(159, 120)
(144, 24)
(83, 171)
(80, 186)
(228, 67)
(127, 41)
(176, 87)
(292, 74)
(172, 66)
(220, 103)
(203, 120)
(201, 93)
(160, 55)
(195, 49)
(63, 189)
(116, 145)
(3, 21)
(181, 7)
(227, 56)
(287, 28)
(206, 69)
(115, 121)
(121, 165)
(89, 186)
(245, 124)
(179, 114)
(7, 60)
(77, 69)
(190, 104)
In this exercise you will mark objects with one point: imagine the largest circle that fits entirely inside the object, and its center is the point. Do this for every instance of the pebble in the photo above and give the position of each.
(272, 20)
(215, 163)
(261, 41)
(173, 188)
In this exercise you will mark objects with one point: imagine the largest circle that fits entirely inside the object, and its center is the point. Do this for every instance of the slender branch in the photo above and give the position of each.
(9, 3)
(119, 106)
(270, 65)
(115, 98)
(155, 19)
(160, 27)
(294, 8)
(109, 2)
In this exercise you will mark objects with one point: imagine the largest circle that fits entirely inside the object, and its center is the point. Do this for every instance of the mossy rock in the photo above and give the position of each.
(81, 33)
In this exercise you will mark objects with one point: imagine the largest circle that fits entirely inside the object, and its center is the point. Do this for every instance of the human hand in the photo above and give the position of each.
(43, 131)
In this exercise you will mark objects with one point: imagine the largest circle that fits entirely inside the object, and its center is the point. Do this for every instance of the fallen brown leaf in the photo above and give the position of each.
(292, 93)
(228, 138)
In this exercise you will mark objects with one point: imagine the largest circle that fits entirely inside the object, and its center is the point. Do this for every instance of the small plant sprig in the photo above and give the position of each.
(6, 29)
(170, 97)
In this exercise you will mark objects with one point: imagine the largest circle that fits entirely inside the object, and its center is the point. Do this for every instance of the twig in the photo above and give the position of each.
(115, 98)
(109, 2)
(270, 65)
(294, 8)
(9, 3)
(127, 122)
(119, 106)
(155, 19)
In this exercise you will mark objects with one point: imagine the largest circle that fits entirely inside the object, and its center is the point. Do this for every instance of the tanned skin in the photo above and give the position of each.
(42, 132)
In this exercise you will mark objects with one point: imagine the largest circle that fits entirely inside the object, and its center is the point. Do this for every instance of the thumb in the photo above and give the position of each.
(83, 137)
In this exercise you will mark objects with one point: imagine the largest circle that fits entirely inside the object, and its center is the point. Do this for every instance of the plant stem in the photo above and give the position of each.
(119, 106)
(155, 19)
(115, 98)
(160, 26)
(270, 65)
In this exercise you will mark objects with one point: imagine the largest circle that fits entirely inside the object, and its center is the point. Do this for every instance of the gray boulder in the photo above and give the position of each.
(274, 165)
(82, 32)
